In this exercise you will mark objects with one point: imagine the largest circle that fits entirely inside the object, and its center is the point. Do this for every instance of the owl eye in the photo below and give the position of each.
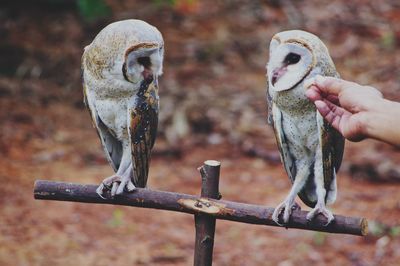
(291, 59)
(144, 61)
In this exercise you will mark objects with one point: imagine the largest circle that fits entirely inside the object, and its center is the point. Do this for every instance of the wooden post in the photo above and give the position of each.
(205, 224)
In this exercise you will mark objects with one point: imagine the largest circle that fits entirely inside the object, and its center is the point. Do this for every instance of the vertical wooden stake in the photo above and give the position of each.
(205, 225)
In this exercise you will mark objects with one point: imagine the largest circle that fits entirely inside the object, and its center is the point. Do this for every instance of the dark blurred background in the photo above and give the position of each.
(212, 107)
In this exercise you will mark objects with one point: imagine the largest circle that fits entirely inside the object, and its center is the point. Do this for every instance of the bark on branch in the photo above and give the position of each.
(205, 224)
(220, 209)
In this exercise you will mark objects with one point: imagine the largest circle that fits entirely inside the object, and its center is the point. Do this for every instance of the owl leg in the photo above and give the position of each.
(289, 204)
(114, 182)
(320, 207)
(126, 182)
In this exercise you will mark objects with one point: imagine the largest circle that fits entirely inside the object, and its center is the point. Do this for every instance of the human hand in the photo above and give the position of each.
(346, 105)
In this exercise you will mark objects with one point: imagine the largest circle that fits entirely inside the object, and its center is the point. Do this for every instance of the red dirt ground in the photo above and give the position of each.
(215, 61)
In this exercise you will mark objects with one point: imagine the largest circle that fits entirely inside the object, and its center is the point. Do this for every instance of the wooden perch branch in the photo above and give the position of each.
(220, 209)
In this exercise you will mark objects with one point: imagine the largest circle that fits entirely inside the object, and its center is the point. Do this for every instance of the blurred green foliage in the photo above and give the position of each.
(93, 9)
(319, 238)
(165, 2)
(388, 40)
(378, 229)
(117, 219)
(394, 231)
(173, 3)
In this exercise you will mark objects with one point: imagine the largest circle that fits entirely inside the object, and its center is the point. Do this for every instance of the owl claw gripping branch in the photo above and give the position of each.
(120, 70)
(311, 150)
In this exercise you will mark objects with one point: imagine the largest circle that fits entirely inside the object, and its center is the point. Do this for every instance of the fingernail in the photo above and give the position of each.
(308, 83)
(309, 96)
(319, 104)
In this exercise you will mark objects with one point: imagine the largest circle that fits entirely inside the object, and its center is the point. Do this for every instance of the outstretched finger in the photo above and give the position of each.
(315, 94)
(331, 85)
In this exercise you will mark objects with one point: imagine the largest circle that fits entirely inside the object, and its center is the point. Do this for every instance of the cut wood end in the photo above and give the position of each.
(36, 184)
(212, 163)
(364, 227)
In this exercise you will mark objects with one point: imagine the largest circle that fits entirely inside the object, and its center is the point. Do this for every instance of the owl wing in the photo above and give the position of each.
(269, 106)
(332, 145)
(143, 113)
(111, 145)
(287, 159)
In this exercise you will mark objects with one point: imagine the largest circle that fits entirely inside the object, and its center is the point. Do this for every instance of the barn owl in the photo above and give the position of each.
(311, 150)
(120, 72)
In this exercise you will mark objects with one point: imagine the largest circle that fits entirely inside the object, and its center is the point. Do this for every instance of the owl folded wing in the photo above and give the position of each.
(332, 145)
(286, 157)
(142, 130)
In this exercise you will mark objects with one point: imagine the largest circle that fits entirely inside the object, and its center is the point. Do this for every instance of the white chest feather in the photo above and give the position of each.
(293, 101)
(298, 119)
(109, 98)
(301, 132)
(113, 113)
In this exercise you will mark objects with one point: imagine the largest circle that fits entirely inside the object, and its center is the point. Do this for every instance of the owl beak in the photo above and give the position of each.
(147, 74)
(277, 74)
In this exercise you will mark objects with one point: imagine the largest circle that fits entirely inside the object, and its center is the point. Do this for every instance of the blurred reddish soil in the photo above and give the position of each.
(212, 107)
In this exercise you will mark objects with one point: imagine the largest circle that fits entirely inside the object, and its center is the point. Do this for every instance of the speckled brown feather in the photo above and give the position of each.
(332, 143)
(143, 128)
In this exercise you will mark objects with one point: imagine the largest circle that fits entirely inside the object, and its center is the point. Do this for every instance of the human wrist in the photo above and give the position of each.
(381, 122)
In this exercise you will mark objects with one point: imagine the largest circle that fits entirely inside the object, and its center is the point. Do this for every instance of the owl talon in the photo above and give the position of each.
(108, 184)
(277, 212)
(130, 186)
(287, 208)
(321, 210)
(126, 182)
(296, 207)
(120, 189)
(114, 189)
(99, 190)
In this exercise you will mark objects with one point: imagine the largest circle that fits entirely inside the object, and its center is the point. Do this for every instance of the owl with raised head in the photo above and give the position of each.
(120, 70)
(311, 150)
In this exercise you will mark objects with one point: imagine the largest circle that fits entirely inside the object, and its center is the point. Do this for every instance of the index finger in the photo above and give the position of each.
(331, 85)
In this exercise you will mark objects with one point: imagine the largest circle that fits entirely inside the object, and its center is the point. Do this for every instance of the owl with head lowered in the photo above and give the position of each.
(311, 150)
(120, 70)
